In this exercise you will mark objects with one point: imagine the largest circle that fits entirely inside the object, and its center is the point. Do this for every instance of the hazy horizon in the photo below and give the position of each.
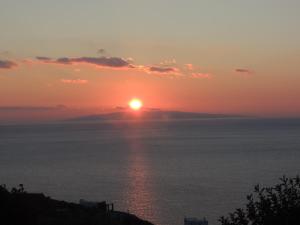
(33, 114)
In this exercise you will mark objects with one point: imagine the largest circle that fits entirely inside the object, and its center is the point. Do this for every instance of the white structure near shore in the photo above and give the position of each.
(195, 221)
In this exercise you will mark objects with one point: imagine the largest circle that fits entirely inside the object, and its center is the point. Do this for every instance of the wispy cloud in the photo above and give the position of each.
(201, 75)
(244, 71)
(112, 62)
(163, 69)
(189, 66)
(160, 70)
(168, 62)
(101, 51)
(167, 68)
(74, 81)
(7, 64)
(31, 108)
(43, 58)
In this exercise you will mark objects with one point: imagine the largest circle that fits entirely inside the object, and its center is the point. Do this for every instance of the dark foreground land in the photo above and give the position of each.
(20, 208)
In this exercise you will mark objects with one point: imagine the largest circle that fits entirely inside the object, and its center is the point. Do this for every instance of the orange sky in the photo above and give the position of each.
(201, 56)
(85, 88)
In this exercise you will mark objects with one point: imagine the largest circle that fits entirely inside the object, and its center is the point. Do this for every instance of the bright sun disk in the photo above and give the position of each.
(135, 104)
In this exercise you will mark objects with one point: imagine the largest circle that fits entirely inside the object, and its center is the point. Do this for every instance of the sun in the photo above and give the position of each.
(135, 104)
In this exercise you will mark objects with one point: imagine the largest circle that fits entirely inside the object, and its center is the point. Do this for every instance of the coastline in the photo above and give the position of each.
(20, 207)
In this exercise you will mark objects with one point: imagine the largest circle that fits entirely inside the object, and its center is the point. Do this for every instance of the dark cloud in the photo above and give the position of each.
(162, 69)
(243, 71)
(101, 51)
(104, 61)
(114, 62)
(43, 58)
(64, 60)
(31, 108)
(7, 64)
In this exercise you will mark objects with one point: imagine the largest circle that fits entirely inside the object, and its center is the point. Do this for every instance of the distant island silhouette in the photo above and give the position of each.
(151, 115)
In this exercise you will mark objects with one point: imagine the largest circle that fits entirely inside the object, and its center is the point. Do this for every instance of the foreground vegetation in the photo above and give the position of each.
(20, 208)
(278, 205)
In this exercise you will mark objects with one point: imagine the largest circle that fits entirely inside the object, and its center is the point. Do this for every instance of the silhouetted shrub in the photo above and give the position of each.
(278, 205)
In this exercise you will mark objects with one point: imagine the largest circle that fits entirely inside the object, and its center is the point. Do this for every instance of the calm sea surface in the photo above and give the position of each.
(158, 170)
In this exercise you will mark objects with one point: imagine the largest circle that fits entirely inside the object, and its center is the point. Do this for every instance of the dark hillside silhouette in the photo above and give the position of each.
(278, 205)
(20, 208)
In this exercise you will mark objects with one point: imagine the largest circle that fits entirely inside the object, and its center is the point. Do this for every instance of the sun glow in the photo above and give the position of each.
(135, 104)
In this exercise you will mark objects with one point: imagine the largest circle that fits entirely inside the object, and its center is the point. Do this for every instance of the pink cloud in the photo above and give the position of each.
(189, 66)
(168, 62)
(74, 81)
(201, 75)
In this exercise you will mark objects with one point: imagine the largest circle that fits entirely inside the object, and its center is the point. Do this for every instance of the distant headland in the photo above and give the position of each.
(151, 115)
(19, 207)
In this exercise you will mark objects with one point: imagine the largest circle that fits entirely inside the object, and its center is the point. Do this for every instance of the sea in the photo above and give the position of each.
(160, 170)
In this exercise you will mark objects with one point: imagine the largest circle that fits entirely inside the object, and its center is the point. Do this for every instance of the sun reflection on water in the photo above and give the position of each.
(140, 194)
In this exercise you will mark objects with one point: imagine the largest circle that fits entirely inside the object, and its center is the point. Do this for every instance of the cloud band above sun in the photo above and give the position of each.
(118, 63)
(165, 69)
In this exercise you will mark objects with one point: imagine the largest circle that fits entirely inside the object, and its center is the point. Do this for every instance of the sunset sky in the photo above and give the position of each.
(69, 57)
